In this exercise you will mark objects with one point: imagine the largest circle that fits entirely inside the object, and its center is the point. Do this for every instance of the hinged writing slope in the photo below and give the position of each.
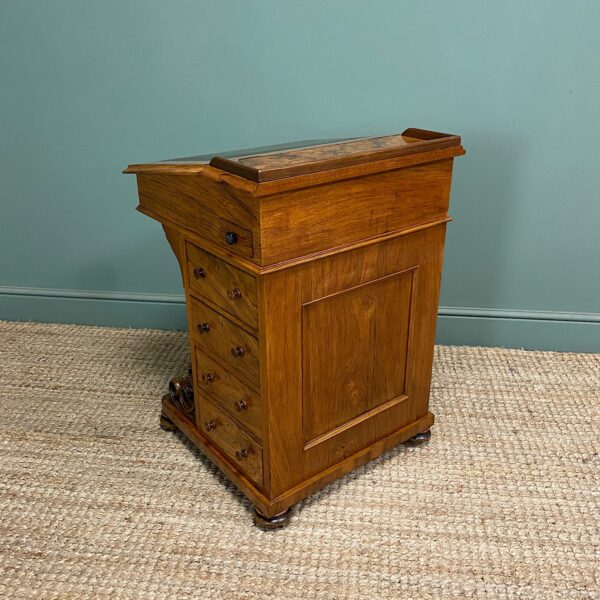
(288, 162)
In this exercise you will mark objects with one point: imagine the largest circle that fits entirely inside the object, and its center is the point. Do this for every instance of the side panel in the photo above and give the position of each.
(354, 346)
(348, 349)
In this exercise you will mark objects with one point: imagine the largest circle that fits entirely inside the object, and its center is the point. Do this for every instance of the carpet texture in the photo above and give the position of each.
(97, 502)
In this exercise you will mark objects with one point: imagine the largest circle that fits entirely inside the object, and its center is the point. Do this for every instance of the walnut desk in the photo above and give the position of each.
(311, 276)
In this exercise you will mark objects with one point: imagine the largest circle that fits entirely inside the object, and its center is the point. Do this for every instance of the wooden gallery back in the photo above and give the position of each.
(312, 279)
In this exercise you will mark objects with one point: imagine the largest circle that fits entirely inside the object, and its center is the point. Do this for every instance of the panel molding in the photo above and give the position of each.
(356, 421)
(532, 329)
(348, 339)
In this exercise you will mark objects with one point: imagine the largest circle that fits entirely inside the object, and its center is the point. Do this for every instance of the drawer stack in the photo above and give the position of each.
(223, 322)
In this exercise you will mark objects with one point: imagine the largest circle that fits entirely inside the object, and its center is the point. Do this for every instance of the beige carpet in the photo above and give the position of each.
(97, 502)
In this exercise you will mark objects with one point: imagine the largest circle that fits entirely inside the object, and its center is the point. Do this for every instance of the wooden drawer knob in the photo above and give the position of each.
(234, 294)
(210, 425)
(231, 237)
(238, 351)
(199, 272)
(241, 405)
(208, 378)
(242, 453)
(203, 327)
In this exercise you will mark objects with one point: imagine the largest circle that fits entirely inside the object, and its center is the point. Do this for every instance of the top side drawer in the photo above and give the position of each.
(209, 210)
(222, 284)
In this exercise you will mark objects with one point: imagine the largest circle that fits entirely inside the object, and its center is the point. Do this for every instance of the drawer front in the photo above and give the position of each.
(229, 344)
(229, 393)
(222, 284)
(231, 440)
(226, 234)
(202, 206)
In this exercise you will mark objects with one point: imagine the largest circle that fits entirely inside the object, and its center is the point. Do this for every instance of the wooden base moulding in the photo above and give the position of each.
(175, 419)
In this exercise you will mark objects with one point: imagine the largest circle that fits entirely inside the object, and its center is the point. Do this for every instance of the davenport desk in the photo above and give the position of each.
(312, 278)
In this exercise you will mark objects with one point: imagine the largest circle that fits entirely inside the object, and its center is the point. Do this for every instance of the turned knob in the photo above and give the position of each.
(241, 405)
(199, 272)
(234, 294)
(203, 327)
(210, 425)
(208, 378)
(242, 453)
(238, 351)
(231, 237)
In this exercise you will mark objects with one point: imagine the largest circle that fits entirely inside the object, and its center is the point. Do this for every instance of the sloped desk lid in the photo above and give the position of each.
(273, 163)
(310, 158)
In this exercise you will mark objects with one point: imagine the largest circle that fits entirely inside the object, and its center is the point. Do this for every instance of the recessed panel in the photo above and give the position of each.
(354, 352)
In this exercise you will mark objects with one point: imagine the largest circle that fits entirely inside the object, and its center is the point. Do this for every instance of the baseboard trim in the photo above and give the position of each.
(93, 307)
(539, 330)
(530, 315)
(92, 295)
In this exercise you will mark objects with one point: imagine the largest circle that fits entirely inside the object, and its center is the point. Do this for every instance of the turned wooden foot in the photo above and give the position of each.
(166, 423)
(269, 523)
(419, 439)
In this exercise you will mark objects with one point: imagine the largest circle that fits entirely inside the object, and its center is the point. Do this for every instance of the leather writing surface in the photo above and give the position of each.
(269, 166)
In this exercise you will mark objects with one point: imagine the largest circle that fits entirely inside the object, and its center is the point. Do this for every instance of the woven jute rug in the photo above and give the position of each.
(97, 502)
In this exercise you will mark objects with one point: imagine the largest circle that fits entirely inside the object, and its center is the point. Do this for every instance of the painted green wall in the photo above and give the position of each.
(88, 87)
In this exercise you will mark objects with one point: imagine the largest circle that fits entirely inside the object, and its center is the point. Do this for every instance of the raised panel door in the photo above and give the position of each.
(354, 351)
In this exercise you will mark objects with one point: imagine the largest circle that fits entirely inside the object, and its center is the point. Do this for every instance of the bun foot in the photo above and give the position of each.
(165, 423)
(419, 439)
(269, 523)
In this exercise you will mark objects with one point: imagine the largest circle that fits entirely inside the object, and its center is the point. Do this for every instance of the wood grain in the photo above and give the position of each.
(220, 338)
(176, 241)
(322, 157)
(316, 374)
(240, 402)
(354, 352)
(313, 333)
(306, 221)
(200, 205)
(244, 452)
(281, 377)
(221, 283)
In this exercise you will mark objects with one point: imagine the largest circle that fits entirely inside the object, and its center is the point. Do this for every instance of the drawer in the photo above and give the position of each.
(227, 234)
(230, 345)
(245, 453)
(222, 284)
(229, 393)
(203, 207)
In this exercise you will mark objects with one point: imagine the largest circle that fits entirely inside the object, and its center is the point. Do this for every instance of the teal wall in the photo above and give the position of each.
(88, 87)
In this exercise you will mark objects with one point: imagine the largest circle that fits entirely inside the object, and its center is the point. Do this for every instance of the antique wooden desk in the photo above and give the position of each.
(311, 277)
